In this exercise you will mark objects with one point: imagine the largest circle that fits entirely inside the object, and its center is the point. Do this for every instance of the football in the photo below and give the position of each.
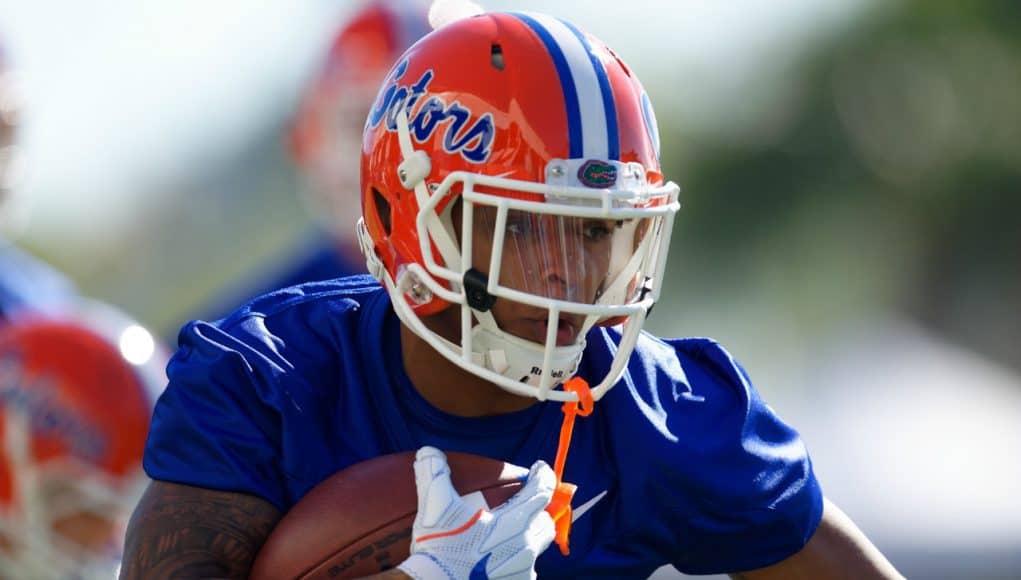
(358, 521)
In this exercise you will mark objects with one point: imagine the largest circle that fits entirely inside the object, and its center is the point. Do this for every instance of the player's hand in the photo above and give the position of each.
(456, 538)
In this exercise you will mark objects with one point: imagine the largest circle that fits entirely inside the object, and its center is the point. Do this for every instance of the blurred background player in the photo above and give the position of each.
(75, 402)
(325, 142)
(26, 283)
(78, 380)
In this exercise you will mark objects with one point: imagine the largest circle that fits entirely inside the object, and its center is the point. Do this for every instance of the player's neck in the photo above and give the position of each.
(450, 388)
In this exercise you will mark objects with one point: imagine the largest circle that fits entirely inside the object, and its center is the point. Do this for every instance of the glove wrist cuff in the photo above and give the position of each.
(424, 567)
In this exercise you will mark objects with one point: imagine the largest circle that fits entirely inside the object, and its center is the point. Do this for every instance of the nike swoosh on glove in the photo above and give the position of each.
(455, 539)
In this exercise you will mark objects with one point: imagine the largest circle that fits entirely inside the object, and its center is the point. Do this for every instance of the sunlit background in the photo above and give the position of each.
(851, 174)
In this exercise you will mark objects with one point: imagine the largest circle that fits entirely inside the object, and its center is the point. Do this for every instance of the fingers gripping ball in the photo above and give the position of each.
(455, 538)
(359, 521)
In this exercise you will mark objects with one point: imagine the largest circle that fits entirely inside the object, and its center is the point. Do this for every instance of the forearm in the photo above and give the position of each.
(179, 531)
(837, 550)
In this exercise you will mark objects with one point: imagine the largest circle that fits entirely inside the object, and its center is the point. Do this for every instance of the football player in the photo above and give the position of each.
(75, 402)
(328, 127)
(26, 283)
(516, 224)
(78, 380)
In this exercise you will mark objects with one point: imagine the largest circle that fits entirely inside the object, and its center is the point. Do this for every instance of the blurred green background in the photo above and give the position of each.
(880, 170)
(851, 175)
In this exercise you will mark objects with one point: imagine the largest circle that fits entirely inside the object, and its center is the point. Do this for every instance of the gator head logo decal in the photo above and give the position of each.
(598, 174)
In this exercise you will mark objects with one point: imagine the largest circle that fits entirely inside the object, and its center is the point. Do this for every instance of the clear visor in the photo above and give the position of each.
(568, 259)
(553, 275)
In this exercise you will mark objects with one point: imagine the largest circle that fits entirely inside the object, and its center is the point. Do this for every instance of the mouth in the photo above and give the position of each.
(567, 331)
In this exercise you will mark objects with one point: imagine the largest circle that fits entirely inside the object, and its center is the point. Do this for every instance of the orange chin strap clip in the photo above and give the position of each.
(560, 506)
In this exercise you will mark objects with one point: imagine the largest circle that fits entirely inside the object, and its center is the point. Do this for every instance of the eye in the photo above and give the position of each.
(518, 225)
(597, 230)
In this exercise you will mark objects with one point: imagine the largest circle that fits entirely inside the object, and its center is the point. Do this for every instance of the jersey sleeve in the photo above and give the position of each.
(217, 424)
(711, 479)
(757, 500)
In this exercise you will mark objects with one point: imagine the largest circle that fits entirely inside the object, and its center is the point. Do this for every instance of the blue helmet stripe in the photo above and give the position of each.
(574, 126)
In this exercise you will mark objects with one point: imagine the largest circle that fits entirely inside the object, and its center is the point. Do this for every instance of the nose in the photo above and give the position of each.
(562, 276)
(557, 286)
(563, 265)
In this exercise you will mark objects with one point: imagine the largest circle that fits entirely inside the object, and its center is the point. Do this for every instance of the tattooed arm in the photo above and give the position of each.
(179, 531)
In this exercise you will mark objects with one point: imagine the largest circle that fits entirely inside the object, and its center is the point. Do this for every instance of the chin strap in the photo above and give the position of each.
(560, 506)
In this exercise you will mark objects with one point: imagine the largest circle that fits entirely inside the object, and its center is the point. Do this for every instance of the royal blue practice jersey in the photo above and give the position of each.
(680, 463)
(30, 286)
(315, 258)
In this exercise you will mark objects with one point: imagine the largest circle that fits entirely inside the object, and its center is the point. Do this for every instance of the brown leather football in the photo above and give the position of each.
(358, 521)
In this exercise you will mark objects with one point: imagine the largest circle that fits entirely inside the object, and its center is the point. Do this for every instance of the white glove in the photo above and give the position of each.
(455, 538)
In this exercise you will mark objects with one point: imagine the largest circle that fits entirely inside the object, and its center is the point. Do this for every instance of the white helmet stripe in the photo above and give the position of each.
(584, 81)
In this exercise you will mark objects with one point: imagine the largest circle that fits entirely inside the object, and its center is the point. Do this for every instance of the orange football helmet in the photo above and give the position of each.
(75, 403)
(513, 157)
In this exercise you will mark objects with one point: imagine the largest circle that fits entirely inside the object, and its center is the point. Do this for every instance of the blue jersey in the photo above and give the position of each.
(681, 462)
(30, 286)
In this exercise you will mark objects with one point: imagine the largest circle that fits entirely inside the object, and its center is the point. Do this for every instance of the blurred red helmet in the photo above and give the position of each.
(75, 404)
(325, 135)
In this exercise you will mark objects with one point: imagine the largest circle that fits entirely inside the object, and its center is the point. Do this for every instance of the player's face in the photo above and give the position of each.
(87, 531)
(339, 114)
(91, 530)
(342, 117)
(557, 257)
(571, 259)
(80, 535)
